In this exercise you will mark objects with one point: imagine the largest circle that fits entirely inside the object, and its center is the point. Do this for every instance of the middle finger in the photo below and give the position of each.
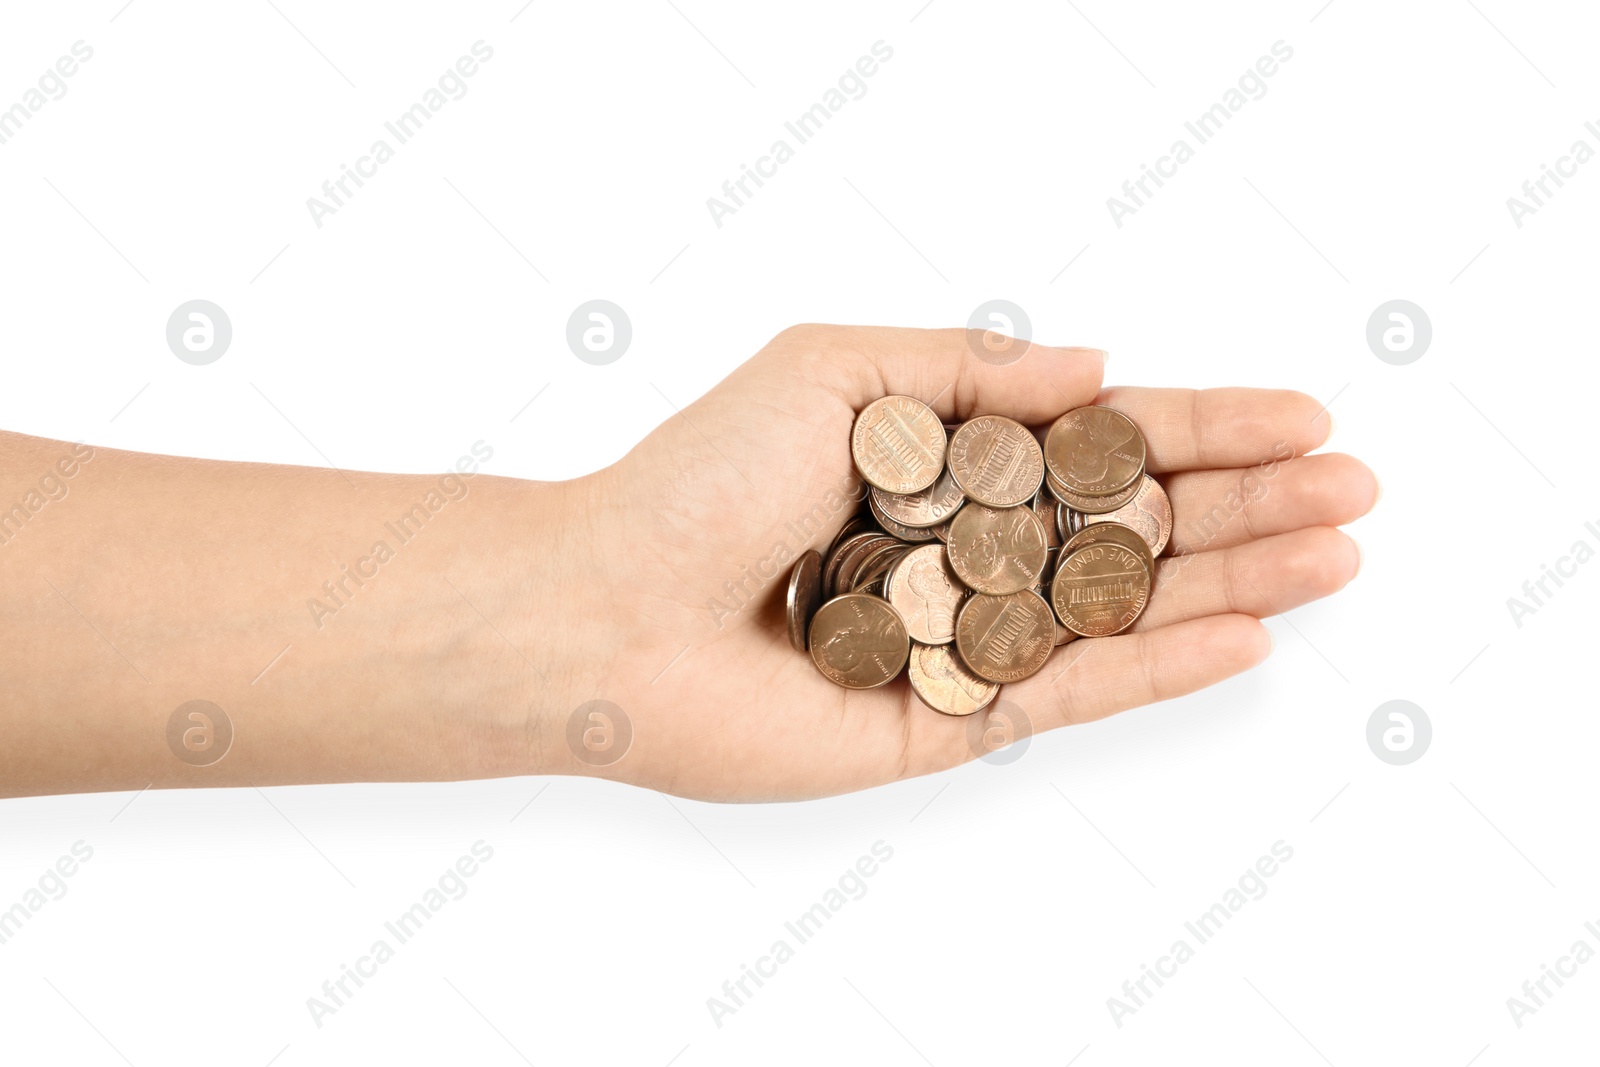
(1220, 508)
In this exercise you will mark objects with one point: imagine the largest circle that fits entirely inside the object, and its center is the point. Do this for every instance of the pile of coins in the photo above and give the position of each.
(982, 549)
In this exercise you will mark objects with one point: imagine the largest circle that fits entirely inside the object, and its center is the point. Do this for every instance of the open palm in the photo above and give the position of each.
(700, 523)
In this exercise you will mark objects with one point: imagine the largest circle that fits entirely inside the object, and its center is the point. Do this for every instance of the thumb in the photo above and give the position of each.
(958, 373)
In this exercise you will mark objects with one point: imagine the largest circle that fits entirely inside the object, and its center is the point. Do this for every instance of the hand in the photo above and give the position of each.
(693, 532)
(463, 650)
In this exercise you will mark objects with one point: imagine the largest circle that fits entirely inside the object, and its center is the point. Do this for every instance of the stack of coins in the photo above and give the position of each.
(983, 547)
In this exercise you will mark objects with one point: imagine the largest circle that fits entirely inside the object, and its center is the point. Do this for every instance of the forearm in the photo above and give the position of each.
(350, 626)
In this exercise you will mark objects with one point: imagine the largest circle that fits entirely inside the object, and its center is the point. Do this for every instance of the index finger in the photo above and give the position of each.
(1200, 429)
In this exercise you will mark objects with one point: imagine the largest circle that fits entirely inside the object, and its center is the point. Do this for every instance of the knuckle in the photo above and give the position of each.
(803, 335)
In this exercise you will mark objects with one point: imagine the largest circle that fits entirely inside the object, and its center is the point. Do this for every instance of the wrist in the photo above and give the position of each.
(527, 574)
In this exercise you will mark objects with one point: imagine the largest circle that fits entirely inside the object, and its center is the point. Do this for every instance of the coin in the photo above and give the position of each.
(1149, 513)
(979, 549)
(1063, 635)
(1051, 559)
(997, 550)
(1111, 533)
(857, 523)
(1094, 451)
(926, 592)
(924, 508)
(836, 557)
(1048, 511)
(996, 461)
(1089, 505)
(858, 641)
(1100, 590)
(1005, 638)
(1116, 535)
(898, 529)
(852, 558)
(945, 684)
(874, 567)
(898, 444)
(804, 596)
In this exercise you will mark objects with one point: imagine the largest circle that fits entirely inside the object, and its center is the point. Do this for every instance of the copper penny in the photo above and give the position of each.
(837, 555)
(1051, 559)
(997, 550)
(945, 684)
(1089, 505)
(1094, 451)
(1114, 533)
(919, 510)
(874, 568)
(926, 592)
(1005, 638)
(857, 523)
(1110, 533)
(1063, 635)
(996, 461)
(1048, 511)
(898, 444)
(858, 641)
(1100, 589)
(804, 596)
(852, 559)
(1071, 522)
(1149, 513)
(896, 528)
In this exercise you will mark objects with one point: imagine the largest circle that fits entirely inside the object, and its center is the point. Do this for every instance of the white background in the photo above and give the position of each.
(429, 310)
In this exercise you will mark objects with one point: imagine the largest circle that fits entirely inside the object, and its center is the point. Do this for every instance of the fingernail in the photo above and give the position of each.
(1379, 494)
(1361, 557)
(1333, 427)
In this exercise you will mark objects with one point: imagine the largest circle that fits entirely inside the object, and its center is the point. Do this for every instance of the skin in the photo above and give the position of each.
(656, 584)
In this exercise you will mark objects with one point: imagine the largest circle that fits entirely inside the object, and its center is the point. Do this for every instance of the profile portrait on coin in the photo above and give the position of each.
(1090, 458)
(945, 684)
(997, 550)
(1095, 451)
(926, 594)
(858, 641)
